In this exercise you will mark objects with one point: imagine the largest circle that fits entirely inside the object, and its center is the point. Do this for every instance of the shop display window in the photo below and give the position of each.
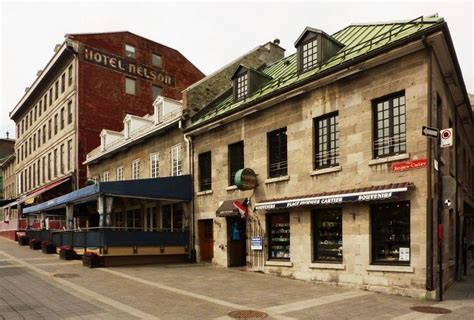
(391, 233)
(327, 235)
(279, 236)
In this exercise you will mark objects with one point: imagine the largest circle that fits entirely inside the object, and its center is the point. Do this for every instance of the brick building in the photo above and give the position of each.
(92, 80)
(347, 190)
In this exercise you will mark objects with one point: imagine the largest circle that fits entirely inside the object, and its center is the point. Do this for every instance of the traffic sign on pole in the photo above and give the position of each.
(430, 132)
(446, 137)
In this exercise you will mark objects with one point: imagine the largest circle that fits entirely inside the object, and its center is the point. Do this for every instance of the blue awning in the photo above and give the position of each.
(165, 188)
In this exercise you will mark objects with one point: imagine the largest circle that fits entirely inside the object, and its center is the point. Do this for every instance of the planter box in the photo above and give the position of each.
(92, 262)
(35, 245)
(23, 241)
(50, 249)
(67, 255)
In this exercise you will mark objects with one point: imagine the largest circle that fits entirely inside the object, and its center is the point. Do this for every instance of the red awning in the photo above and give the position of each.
(45, 188)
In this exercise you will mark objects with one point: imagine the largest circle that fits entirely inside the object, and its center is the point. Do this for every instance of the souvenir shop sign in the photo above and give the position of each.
(409, 165)
(327, 200)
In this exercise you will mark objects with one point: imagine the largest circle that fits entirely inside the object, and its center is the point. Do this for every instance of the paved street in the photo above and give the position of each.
(38, 286)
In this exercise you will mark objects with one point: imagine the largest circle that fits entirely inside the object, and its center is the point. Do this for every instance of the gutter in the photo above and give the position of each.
(190, 153)
(346, 65)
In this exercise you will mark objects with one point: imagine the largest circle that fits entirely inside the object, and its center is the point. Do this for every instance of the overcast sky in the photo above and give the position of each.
(208, 34)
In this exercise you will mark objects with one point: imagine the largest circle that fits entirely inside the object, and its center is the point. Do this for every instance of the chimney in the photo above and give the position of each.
(27, 89)
(56, 47)
(8, 133)
(39, 72)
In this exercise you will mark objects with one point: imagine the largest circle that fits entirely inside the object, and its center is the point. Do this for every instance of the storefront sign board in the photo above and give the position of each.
(409, 165)
(256, 243)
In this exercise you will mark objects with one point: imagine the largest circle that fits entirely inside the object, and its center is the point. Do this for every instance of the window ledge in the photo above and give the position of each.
(325, 170)
(278, 179)
(337, 266)
(203, 193)
(272, 263)
(407, 269)
(402, 156)
(231, 188)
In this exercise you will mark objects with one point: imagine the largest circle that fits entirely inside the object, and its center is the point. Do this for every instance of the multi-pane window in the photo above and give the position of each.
(56, 90)
(49, 166)
(241, 86)
(50, 122)
(136, 169)
(119, 173)
(130, 86)
(277, 153)
(40, 108)
(391, 233)
(44, 133)
(172, 217)
(156, 91)
(69, 112)
(55, 163)
(326, 145)
(106, 176)
(63, 82)
(61, 159)
(69, 75)
(154, 166)
(56, 123)
(130, 51)
(45, 99)
(205, 179)
(176, 162)
(389, 126)
(309, 54)
(327, 235)
(236, 160)
(69, 154)
(156, 60)
(62, 119)
(278, 226)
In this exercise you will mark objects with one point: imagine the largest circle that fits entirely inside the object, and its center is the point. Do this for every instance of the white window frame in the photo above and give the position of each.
(176, 160)
(136, 169)
(129, 90)
(130, 51)
(154, 165)
(119, 172)
(106, 176)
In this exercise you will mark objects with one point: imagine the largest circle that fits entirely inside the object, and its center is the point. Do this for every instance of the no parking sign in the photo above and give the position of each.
(446, 136)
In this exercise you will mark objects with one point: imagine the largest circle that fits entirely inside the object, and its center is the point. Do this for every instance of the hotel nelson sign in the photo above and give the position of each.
(122, 65)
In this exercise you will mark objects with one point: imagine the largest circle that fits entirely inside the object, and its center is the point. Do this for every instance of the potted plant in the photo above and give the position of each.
(92, 260)
(48, 247)
(23, 240)
(67, 253)
(35, 244)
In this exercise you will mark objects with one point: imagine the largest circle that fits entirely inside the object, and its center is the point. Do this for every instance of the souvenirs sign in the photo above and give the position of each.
(409, 165)
(122, 65)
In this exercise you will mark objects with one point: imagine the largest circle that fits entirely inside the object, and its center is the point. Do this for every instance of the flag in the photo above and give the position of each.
(242, 207)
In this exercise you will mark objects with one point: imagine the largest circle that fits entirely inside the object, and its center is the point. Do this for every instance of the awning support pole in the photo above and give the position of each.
(69, 216)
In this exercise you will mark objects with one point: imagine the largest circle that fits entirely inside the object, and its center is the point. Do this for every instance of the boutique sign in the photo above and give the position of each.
(325, 200)
(126, 66)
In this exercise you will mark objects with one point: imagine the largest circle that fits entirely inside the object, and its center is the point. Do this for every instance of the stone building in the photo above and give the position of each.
(347, 189)
(6, 150)
(92, 80)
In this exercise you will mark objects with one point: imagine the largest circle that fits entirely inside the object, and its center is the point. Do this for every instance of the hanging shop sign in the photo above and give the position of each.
(256, 243)
(126, 66)
(333, 199)
(245, 179)
(409, 165)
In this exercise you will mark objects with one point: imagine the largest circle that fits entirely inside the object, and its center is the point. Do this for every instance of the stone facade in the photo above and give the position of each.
(416, 75)
(7, 168)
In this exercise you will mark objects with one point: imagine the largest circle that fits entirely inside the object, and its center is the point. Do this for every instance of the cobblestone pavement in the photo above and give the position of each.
(31, 289)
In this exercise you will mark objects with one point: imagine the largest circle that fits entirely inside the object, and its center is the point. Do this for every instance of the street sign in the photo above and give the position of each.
(446, 137)
(409, 165)
(430, 132)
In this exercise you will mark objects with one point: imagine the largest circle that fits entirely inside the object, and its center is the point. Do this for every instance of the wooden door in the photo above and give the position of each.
(206, 240)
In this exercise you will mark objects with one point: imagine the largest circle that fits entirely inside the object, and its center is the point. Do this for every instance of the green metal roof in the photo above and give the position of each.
(358, 39)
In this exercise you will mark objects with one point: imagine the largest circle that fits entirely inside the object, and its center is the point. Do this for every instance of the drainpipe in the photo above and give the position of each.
(429, 200)
(190, 153)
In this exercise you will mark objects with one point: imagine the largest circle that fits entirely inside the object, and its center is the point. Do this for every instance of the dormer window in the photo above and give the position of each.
(309, 54)
(314, 48)
(241, 86)
(247, 81)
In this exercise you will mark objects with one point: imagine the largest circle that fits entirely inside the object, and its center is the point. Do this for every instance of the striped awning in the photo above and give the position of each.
(372, 193)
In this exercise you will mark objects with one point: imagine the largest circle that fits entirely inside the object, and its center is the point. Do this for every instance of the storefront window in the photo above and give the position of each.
(177, 216)
(391, 233)
(279, 236)
(327, 235)
(166, 216)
